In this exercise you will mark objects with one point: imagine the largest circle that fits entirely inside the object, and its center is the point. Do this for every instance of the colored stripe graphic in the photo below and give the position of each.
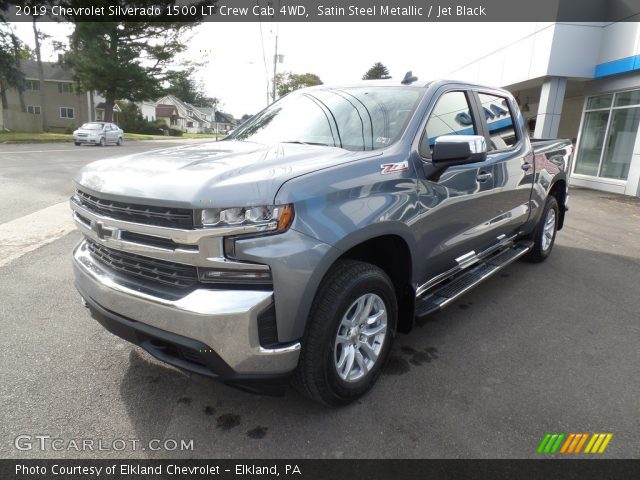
(572, 443)
(550, 443)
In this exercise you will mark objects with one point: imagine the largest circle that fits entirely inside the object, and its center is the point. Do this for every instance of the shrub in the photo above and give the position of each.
(175, 132)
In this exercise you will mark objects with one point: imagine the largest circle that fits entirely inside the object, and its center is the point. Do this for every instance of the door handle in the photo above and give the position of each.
(526, 166)
(484, 176)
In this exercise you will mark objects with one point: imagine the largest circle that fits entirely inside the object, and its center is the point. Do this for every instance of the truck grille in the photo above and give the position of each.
(149, 215)
(144, 268)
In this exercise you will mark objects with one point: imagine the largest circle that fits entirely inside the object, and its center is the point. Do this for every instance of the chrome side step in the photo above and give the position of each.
(450, 291)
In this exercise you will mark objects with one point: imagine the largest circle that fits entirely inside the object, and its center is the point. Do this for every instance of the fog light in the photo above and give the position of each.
(210, 275)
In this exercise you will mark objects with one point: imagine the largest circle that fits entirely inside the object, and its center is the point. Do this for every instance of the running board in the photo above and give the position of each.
(447, 293)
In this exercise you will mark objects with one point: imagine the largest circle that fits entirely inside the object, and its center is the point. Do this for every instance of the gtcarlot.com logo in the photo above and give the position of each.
(46, 442)
(574, 443)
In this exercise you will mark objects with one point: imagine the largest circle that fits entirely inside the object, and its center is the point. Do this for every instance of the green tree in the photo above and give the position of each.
(377, 72)
(188, 90)
(125, 60)
(288, 82)
(12, 50)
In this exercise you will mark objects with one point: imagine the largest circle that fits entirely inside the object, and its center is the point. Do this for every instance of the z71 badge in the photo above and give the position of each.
(388, 168)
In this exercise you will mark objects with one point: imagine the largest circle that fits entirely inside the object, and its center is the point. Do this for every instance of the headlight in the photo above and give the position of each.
(266, 217)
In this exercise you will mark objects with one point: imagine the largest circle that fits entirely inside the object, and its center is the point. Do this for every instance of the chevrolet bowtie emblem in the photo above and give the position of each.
(101, 231)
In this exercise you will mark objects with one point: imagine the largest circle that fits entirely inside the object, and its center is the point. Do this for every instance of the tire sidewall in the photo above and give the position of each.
(378, 283)
(552, 204)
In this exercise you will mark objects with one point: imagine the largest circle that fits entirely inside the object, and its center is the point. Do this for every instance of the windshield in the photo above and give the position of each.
(357, 118)
(92, 126)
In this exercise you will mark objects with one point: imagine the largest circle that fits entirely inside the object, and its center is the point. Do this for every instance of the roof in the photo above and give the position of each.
(207, 110)
(184, 109)
(166, 110)
(102, 105)
(52, 71)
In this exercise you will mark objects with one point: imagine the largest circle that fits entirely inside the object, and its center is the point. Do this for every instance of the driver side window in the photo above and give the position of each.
(451, 116)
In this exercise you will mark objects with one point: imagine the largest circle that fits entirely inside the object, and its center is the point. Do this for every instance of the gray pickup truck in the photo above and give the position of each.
(296, 249)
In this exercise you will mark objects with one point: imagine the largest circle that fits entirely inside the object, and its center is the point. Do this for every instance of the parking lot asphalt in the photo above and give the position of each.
(550, 347)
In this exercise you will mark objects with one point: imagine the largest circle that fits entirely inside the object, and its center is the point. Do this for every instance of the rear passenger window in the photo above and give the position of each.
(451, 116)
(500, 121)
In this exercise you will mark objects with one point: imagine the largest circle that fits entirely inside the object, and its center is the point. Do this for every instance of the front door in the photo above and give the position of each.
(457, 205)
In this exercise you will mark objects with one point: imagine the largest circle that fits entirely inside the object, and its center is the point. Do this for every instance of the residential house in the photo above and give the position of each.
(220, 122)
(65, 107)
(148, 110)
(186, 117)
(168, 113)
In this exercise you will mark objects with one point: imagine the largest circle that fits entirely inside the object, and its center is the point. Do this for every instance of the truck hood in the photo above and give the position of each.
(213, 174)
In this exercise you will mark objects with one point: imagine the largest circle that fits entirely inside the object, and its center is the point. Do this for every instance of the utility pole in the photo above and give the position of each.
(275, 66)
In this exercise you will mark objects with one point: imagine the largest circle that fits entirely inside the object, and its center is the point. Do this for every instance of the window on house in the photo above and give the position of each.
(65, 88)
(32, 85)
(67, 112)
(35, 109)
(189, 124)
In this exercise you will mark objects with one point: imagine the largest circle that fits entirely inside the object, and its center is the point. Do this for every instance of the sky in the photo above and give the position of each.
(235, 54)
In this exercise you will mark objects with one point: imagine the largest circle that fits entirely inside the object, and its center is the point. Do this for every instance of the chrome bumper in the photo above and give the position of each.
(225, 320)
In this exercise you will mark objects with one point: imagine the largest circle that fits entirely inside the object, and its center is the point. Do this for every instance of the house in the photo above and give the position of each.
(168, 113)
(220, 122)
(148, 110)
(186, 117)
(65, 107)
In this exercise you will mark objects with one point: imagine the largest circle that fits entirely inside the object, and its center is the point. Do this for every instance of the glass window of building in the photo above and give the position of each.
(609, 131)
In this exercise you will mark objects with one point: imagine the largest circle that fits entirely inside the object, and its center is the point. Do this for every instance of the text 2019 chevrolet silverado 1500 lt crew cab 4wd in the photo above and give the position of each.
(299, 246)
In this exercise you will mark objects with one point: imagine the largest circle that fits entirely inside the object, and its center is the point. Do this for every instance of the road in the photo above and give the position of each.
(540, 348)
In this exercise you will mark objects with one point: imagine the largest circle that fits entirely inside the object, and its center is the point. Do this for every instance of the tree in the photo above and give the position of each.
(12, 50)
(188, 90)
(125, 60)
(43, 96)
(288, 82)
(377, 72)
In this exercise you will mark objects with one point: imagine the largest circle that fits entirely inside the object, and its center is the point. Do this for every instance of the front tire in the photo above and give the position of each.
(544, 236)
(101, 143)
(351, 328)
(119, 142)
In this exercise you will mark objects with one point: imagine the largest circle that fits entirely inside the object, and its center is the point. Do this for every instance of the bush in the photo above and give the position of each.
(175, 132)
(70, 128)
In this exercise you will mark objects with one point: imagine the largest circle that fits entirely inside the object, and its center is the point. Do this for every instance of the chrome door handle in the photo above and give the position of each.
(483, 177)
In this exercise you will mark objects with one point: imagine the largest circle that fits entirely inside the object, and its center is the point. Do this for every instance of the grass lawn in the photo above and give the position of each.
(24, 137)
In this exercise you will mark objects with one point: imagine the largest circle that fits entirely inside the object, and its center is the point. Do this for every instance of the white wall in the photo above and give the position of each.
(619, 40)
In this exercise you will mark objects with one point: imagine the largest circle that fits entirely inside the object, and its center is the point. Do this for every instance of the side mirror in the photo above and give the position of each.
(459, 150)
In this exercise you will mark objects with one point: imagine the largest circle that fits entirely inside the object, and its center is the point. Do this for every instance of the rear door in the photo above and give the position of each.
(510, 158)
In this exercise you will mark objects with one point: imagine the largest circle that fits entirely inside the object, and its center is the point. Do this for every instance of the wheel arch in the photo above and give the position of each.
(558, 190)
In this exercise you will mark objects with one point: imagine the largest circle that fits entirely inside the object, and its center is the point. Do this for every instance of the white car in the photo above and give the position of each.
(98, 133)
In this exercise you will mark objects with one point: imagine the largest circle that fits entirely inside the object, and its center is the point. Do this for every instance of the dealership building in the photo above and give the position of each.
(579, 81)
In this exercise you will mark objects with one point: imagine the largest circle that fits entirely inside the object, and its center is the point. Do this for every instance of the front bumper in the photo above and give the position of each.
(217, 329)
(85, 139)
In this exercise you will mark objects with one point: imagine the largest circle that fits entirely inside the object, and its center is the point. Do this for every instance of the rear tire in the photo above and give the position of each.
(544, 235)
(351, 328)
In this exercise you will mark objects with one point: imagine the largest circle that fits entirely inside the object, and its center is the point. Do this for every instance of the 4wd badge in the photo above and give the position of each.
(388, 168)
